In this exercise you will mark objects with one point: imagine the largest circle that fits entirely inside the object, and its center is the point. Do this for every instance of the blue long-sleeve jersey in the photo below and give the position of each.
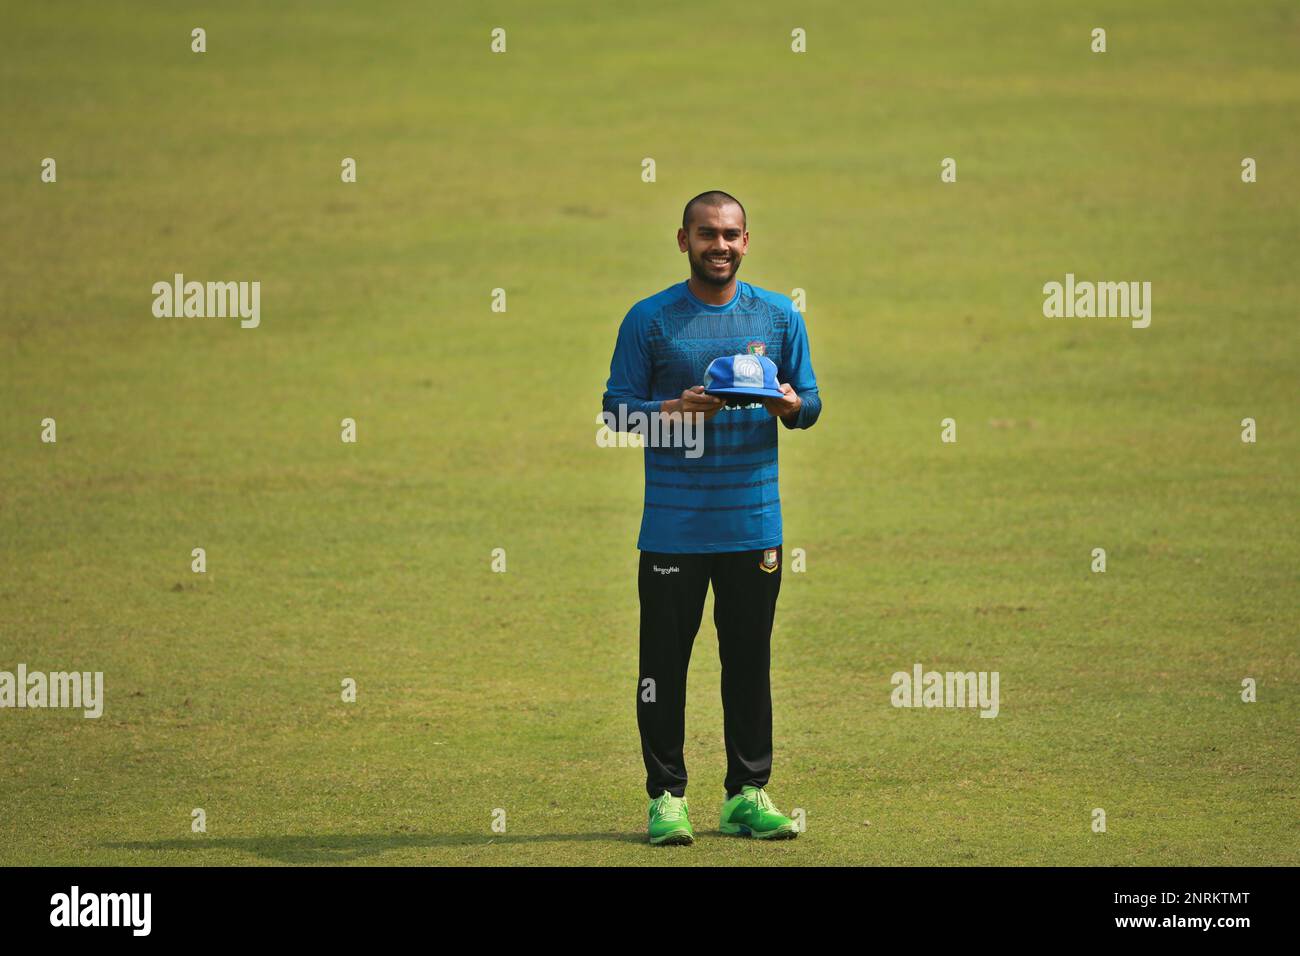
(726, 499)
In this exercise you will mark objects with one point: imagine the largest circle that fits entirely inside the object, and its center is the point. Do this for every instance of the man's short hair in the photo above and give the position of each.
(715, 198)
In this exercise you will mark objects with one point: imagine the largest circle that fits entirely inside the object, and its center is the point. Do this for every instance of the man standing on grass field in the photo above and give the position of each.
(712, 517)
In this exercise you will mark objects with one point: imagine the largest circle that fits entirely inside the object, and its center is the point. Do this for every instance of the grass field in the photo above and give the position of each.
(476, 429)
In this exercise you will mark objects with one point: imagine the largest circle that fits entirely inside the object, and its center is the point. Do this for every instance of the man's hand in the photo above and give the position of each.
(786, 407)
(694, 401)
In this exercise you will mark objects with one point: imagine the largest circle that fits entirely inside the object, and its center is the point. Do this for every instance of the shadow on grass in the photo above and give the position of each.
(343, 847)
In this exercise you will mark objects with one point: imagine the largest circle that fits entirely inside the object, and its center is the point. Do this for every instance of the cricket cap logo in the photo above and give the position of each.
(747, 373)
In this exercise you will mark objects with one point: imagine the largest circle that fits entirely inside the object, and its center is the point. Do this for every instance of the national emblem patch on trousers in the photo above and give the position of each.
(770, 562)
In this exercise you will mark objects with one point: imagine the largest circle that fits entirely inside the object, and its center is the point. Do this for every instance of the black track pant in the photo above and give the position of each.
(672, 588)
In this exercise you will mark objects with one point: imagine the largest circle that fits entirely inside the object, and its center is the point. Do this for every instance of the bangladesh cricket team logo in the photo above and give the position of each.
(769, 562)
(756, 348)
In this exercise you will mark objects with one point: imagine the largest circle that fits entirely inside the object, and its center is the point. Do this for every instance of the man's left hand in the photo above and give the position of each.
(787, 406)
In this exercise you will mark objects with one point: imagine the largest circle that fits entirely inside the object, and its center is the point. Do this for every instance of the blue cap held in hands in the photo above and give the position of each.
(742, 375)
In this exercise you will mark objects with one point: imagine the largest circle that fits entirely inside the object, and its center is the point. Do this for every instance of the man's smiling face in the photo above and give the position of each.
(716, 242)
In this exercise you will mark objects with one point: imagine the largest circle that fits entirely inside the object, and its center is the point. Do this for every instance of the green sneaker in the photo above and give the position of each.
(669, 823)
(752, 813)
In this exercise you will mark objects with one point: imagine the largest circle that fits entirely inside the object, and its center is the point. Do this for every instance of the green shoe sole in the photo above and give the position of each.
(675, 838)
(780, 833)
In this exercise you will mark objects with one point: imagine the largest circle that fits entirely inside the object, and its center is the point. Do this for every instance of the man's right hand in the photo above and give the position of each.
(694, 401)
